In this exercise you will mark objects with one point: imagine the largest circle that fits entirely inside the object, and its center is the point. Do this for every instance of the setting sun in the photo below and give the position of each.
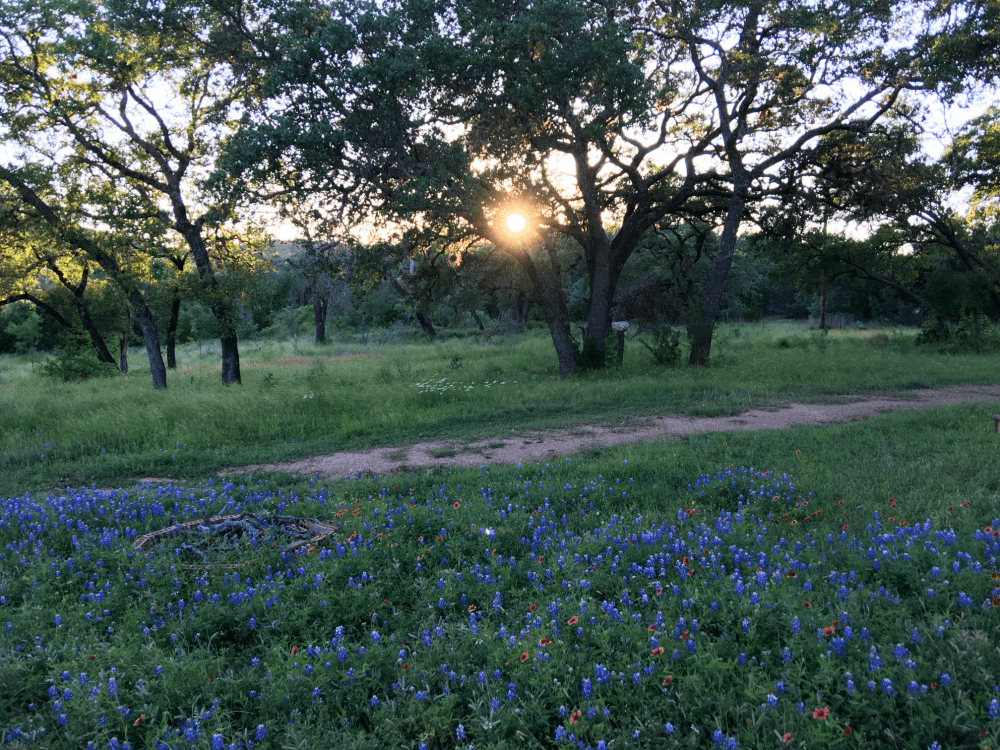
(516, 222)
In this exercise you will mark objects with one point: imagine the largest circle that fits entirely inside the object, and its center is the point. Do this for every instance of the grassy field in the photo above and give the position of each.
(298, 400)
(842, 592)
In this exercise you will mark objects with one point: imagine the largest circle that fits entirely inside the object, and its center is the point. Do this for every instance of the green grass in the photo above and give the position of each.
(471, 580)
(299, 400)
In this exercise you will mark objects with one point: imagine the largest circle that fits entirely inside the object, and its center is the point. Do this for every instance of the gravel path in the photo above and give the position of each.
(544, 444)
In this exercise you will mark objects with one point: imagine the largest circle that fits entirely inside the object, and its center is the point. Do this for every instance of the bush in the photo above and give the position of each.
(78, 361)
(666, 346)
(968, 336)
(20, 328)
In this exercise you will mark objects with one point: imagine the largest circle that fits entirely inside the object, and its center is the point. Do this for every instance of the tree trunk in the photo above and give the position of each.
(223, 310)
(704, 318)
(602, 289)
(522, 305)
(96, 339)
(557, 318)
(548, 288)
(425, 322)
(108, 263)
(822, 301)
(320, 305)
(175, 314)
(230, 358)
(150, 337)
(476, 318)
(123, 342)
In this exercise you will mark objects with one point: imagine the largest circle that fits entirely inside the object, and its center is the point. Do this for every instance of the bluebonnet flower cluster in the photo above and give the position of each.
(573, 576)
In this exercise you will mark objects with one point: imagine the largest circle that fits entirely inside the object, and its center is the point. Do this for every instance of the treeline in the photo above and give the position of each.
(572, 162)
(480, 299)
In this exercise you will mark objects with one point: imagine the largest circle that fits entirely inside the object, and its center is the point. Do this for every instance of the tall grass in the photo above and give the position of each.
(299, 399)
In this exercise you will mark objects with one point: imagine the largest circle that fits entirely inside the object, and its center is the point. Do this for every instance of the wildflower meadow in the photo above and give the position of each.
(833, 586)
(545, 605)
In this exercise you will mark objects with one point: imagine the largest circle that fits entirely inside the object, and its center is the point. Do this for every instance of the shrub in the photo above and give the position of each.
(666, 346)
(970, 335)
(77, 361)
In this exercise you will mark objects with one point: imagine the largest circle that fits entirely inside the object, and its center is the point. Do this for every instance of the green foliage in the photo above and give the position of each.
(666, 346)
(77, 361)
(20, 329)
(971, 334)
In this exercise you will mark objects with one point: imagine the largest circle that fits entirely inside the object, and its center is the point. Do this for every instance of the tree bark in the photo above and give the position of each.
(222, 309)
(150, 338)
(230, 358)
(175, 314)
(123, 342)
(425, 322)
(320, 305)
(701, 328)
(522, 305)
(475, 317)
(601, 291)
(548, 288)
(96, 339)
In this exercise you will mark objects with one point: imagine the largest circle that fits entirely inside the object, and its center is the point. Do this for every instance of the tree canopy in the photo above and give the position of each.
(411, 129)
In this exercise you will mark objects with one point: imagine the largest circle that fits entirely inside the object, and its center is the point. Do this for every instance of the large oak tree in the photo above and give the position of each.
(599, 118)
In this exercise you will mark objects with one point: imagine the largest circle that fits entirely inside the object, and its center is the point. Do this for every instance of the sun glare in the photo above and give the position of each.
(516, 222)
